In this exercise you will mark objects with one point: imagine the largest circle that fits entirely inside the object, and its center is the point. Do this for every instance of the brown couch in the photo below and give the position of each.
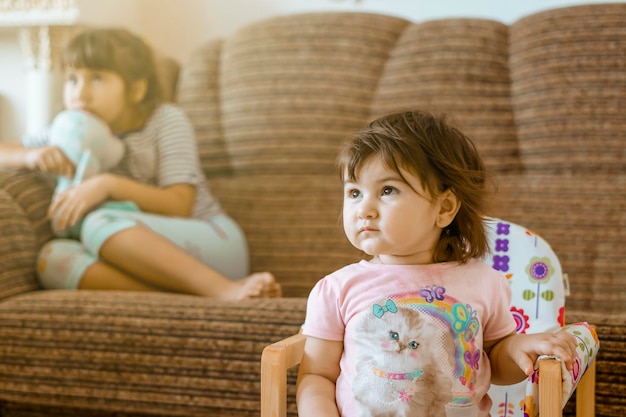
(544, 98)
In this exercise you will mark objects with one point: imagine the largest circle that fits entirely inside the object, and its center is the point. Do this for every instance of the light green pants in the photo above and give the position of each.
(218, 243)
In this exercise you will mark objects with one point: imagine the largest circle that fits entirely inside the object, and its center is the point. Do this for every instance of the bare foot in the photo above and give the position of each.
(258, 285)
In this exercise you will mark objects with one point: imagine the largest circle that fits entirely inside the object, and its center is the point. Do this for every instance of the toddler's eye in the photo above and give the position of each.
(413, 344)
(394, 335)
(354, 193)
(389, 191)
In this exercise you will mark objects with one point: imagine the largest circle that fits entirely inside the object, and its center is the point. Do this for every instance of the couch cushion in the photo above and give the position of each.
(292, 89)
(568, 86)
(298, 238)
(198, 94)
(458, 67)
(150, 353)
(584, 219)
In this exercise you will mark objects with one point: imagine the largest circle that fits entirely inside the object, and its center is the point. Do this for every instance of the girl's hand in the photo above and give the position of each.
(513, 357)
(50, 159)
(70, 206)
(527, 348)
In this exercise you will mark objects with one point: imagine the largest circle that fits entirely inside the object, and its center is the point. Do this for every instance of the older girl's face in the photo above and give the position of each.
(102, 93)
(394, 220)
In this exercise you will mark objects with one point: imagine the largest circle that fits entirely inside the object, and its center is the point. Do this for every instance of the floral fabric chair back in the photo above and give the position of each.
(539, 288)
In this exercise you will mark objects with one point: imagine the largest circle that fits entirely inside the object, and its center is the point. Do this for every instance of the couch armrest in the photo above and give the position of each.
(31, 192)
(18, 249)
(24, 198)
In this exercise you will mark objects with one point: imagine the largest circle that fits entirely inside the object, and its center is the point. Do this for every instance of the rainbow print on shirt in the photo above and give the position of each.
(463, 325)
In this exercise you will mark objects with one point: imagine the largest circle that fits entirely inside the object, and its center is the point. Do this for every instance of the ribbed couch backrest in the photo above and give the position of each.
(458, 67)
(544, 99)
(568, 91)
(295, 87)
(283, 95)
(568, 70)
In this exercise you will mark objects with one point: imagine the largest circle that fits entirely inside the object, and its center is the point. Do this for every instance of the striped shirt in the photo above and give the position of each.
(163, 153)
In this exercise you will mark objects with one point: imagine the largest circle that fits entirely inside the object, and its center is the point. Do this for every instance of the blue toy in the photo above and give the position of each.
(89, 143)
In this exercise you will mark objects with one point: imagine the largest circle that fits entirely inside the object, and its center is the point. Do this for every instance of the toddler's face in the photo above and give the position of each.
(99, 92)
(388, 218)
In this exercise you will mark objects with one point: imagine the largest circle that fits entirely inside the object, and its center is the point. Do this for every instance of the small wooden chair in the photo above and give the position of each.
(281, 356)
(538, 286)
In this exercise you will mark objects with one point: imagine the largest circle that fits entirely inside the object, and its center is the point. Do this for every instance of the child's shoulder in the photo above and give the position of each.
(492, 279)
(167, 116)
(165, 110)
(345, 271)
(479, 269)
(341, 276)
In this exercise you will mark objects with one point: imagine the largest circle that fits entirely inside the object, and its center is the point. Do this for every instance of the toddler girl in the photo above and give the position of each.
(423, 327)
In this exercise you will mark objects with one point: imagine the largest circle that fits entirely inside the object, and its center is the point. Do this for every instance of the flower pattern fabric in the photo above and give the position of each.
(538, 285)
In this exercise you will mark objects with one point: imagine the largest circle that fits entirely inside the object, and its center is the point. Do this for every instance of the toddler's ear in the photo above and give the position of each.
(138, 91)
(449, 206)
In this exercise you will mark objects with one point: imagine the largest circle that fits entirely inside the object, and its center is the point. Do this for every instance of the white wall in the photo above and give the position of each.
(177, 27)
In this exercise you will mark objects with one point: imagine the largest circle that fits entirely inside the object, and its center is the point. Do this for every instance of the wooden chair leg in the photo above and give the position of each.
(276, 359)
(550, 388)
(586, 393)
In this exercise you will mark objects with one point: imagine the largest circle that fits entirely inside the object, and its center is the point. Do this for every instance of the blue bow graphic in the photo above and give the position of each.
(390, 306)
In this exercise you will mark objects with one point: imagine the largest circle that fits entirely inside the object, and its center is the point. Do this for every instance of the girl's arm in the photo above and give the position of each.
(513, 357)
(13, 155)
(174, 200)
(70, 206)
(317, 376)
(46, 158)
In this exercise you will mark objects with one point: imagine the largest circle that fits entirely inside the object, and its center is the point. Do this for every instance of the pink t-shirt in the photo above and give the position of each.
(412, 334)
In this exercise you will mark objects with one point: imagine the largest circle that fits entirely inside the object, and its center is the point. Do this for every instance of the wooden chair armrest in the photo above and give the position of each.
(550, 388)
(276, 359)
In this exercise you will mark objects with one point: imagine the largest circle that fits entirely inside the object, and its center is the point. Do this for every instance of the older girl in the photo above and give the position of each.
(179, 240)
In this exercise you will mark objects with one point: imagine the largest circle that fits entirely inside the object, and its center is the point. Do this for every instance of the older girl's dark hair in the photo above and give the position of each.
(118, 51)
(443, 157)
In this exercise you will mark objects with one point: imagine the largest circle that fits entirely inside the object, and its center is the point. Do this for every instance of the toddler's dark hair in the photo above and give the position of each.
(119, 51)
(443, 158)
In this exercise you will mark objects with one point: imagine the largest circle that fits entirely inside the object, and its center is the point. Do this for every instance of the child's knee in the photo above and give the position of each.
(62, 263)
(99, 225)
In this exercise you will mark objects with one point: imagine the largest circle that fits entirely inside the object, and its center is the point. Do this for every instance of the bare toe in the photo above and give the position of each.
(259, 285)
(274, 290)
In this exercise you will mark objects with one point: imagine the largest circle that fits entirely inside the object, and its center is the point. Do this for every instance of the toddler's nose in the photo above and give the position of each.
(367, 209)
